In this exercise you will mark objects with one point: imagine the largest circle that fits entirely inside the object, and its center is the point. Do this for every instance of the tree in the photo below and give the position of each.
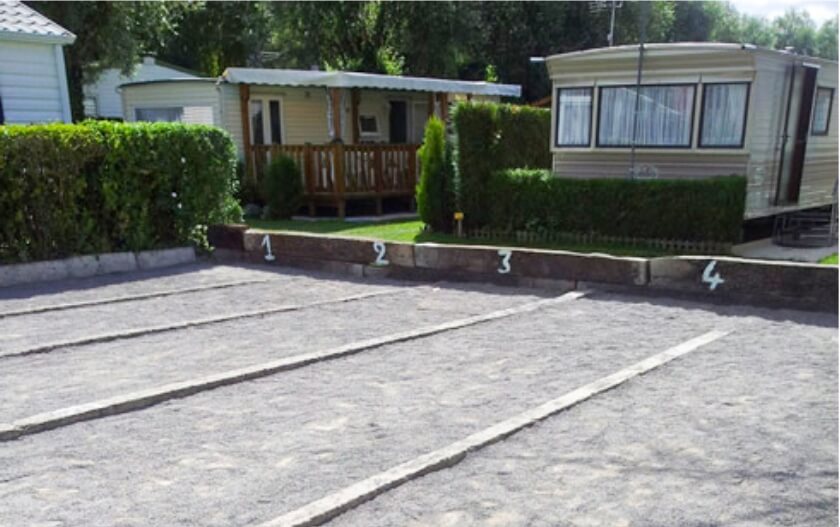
(795, 29)
(108, 35)
(827, 40)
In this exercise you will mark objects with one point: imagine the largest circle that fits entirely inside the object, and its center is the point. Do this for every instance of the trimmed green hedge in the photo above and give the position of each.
(103, 186)
(491, 137)
(693, 210)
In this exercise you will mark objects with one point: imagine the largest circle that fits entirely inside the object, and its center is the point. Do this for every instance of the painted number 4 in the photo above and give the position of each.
(266, 242)
(713, 280)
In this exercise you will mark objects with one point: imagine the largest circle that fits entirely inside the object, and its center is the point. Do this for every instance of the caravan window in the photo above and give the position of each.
(822, 111)
(170, 115)
(368, 126)
(574, 117)
(266, 121)
(664, 119)
(723, 118)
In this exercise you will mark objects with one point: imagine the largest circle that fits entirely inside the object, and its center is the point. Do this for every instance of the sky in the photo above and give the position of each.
(819, 10)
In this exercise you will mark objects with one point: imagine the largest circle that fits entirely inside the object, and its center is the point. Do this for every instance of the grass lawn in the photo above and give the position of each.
(411, 231)
(831, 260)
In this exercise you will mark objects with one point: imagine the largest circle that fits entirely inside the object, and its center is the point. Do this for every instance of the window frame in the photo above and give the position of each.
(265, 103)
(693, 111)
(828, 115)
(557, 91)
(139, 109)
(742, 143)
(375, 118)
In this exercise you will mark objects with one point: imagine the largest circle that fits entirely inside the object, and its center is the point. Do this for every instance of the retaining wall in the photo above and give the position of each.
(757, 282)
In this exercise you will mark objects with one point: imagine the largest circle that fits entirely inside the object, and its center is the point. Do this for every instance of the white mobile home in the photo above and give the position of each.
(102, 98)
(33, 81)
(701, 110)
(354, 135)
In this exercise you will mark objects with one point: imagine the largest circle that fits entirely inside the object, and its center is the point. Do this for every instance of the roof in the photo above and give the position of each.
(348, 79)
(173, 79)
(676, 48)
(20, 22)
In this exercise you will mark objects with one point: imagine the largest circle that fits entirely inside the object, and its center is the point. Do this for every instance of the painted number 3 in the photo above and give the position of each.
(379, 249)
(504, 264)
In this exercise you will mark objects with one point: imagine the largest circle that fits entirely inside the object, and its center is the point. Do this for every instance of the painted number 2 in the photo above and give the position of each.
(379, 249)
(504, 265)
(713, 280)
(266, 242)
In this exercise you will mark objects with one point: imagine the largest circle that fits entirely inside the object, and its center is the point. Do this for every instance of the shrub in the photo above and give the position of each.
(434, 192)
(282, 188)
(491, 137)
(102, 186)
(697, 210)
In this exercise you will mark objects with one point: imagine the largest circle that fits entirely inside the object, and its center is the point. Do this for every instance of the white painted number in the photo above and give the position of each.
(504, 267)
(379, 249)
(269, 257)
(713, 280)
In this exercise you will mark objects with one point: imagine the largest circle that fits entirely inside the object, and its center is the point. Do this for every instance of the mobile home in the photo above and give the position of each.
(700, 110)
(354, 135)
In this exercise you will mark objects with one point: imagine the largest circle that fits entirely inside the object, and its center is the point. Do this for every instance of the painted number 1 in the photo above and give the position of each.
(713, 280)
(379, 249)
(266, 242)
(504, 265)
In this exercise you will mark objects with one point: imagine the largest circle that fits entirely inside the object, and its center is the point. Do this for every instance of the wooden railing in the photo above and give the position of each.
(338, 172)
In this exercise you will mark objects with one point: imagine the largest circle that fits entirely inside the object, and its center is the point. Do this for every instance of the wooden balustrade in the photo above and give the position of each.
(335, 173)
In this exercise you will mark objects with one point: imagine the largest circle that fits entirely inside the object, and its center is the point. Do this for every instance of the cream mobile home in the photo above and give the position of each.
(354, 135)
(700, 110)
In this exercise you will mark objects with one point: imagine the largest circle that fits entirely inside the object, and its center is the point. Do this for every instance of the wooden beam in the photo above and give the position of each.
(431, 104)
(444, 106)
(354, 99)
(335, 96)
(244, 98)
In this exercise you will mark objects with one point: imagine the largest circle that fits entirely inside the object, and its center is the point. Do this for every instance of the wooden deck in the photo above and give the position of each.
(336, 173)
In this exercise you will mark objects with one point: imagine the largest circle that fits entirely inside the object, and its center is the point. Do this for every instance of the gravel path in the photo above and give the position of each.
(44, 382)
(741, 432)
(253, 451)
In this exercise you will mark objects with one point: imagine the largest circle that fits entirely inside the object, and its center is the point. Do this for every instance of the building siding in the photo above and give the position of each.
(30, 86)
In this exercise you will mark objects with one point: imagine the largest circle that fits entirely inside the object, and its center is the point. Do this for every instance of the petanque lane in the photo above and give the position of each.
(45, 295)
(742, 432)
(44, 382)
(41, 331)
(250, 452)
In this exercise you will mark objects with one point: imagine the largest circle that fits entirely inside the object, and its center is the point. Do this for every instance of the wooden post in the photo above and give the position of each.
(444, 106)
(338, 167)
(378, 167)
(412, 174)
(354, 100)
(335, 96)
(308, 168)
(431, 105)
(244, 97)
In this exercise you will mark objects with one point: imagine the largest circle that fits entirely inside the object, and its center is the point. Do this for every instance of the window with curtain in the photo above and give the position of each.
(159, 114)
(664, 118)
(257, 132)
(724, 115)
(574, 116)
(822, 111)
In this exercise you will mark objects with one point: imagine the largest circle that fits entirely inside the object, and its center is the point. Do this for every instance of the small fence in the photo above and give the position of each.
(539, 237)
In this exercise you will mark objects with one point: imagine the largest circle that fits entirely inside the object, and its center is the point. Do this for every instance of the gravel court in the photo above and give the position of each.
(27, 331)
(96, 288)
(38, 383)
(742, 432)
(247, 453)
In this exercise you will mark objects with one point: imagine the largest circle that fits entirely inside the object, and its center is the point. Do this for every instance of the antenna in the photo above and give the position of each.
(644, 8)
(611, 35)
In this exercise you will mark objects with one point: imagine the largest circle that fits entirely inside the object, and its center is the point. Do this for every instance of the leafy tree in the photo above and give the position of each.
(434, 189)
(796, 29)
(826, 45)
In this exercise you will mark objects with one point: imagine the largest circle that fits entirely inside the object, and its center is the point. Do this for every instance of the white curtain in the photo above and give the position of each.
(574, 109)
(664, 117)
(822, 104)
(723, 114)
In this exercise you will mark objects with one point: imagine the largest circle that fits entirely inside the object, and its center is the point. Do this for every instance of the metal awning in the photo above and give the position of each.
(347, 79)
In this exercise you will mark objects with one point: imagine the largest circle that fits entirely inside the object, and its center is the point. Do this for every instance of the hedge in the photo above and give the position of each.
(434, 190)
(491, 137)
(101, 186)
(691, 210)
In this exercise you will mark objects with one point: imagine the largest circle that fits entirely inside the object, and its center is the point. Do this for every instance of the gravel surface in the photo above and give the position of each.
(43, 382)
(253, 451)
(121, 284)
(743, 431)
(740, 432)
